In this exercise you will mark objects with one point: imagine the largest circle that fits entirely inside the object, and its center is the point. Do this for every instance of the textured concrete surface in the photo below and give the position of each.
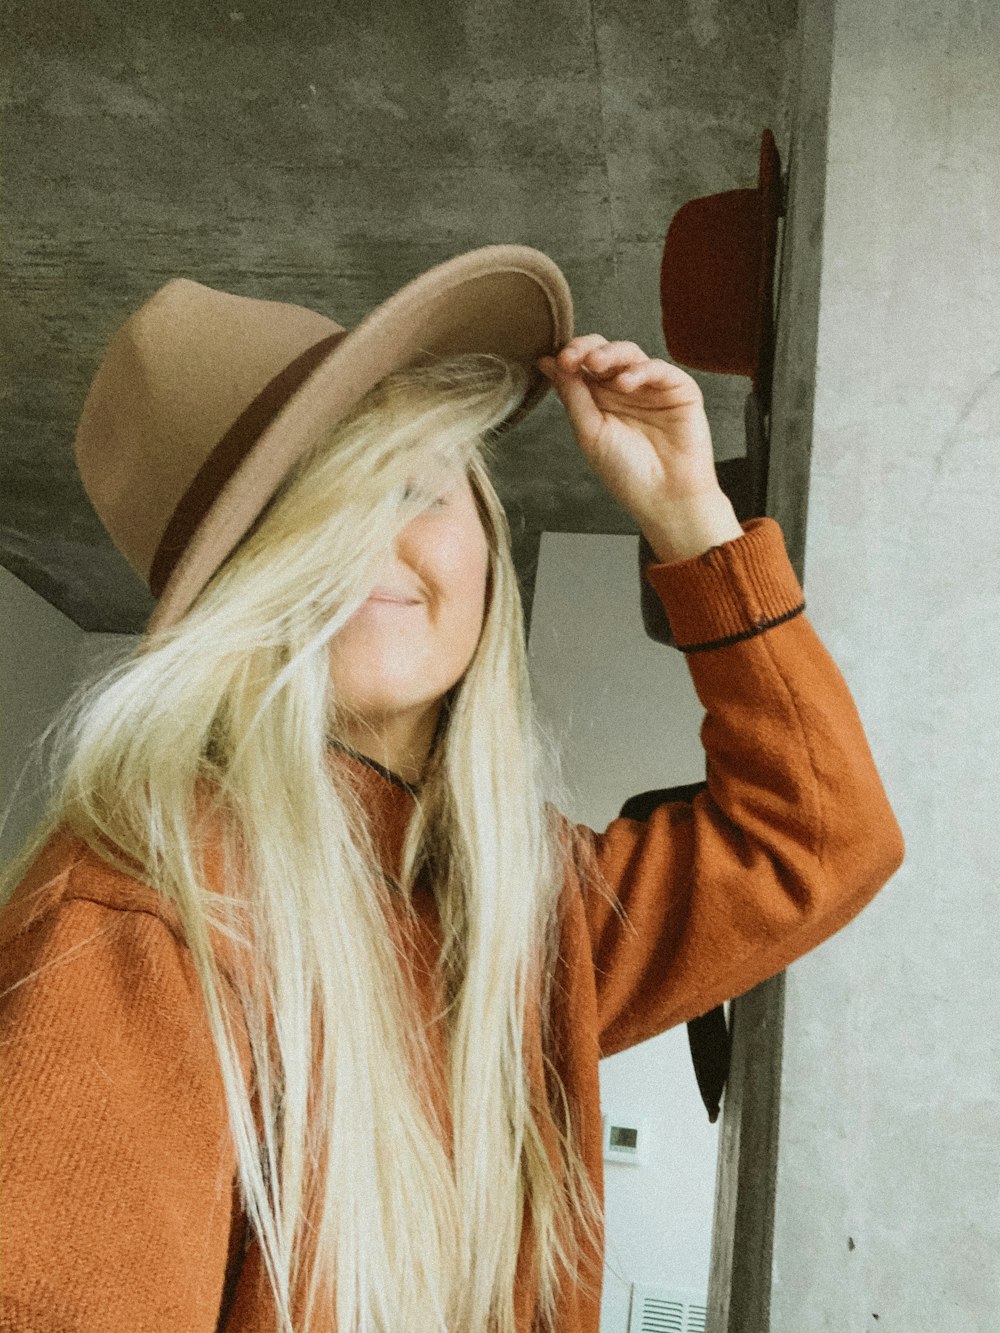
(325, 155)
(887, 1214)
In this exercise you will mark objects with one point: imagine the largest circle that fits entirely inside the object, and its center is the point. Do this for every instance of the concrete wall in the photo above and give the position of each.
(38, 669)
(44, 656)
(887, 1212)
(325, 154)
(628, 718)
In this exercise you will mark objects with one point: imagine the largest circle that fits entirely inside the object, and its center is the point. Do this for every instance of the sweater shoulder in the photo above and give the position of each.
(67, 868)
(68, 873)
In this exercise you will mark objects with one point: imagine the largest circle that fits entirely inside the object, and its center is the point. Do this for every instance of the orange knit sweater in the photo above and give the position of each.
(118, 1211)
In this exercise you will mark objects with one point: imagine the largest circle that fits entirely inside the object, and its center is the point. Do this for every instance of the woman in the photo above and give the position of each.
(305, 978)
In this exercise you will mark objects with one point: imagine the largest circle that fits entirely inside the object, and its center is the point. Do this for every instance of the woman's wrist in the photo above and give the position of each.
(681, 529)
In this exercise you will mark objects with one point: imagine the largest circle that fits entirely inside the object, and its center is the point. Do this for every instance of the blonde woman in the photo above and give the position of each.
(305, 977)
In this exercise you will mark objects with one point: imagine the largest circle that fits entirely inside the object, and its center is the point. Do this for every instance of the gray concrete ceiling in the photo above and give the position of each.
(325, 155)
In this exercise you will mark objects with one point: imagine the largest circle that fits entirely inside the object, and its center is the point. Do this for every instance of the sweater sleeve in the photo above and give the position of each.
(789, 839)
(115, 1166)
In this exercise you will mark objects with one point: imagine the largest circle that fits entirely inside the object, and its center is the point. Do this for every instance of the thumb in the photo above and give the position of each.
(576, 397)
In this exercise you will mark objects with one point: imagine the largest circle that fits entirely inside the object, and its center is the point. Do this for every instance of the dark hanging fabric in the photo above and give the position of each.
(708, 1035)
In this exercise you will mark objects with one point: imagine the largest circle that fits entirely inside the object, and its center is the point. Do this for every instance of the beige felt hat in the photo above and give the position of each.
(203, 400)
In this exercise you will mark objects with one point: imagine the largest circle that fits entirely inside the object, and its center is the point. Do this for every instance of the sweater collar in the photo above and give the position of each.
(356, 758)
(389, 800)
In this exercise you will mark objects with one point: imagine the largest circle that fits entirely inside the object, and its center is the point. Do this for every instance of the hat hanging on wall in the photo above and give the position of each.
(716, 302)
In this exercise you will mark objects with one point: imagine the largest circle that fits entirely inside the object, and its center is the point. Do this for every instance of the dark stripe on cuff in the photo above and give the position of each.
(743, 634)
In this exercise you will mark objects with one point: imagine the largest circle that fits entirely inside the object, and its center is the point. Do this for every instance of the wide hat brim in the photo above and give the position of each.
(512, 300)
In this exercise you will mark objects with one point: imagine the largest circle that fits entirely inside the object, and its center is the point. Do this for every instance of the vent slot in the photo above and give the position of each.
(656, 1308)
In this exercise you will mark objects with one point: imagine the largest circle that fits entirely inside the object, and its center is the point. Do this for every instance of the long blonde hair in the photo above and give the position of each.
(230, 712)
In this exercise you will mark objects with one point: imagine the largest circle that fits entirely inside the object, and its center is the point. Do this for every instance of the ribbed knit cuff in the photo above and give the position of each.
(730, 592)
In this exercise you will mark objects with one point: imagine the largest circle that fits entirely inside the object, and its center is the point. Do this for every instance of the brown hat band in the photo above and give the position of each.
(226, 457)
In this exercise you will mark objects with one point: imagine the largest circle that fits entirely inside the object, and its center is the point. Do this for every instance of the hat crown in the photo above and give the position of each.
(716, 278)
(175, 377)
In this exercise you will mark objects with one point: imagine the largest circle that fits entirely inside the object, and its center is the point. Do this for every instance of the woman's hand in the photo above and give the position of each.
(641, 423)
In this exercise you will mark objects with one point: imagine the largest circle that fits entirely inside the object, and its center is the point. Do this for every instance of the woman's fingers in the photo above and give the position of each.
(570, 356)
(610, 358)
(597, 356)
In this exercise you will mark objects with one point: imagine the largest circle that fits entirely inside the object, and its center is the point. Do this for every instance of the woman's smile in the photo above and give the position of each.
(387, 608)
